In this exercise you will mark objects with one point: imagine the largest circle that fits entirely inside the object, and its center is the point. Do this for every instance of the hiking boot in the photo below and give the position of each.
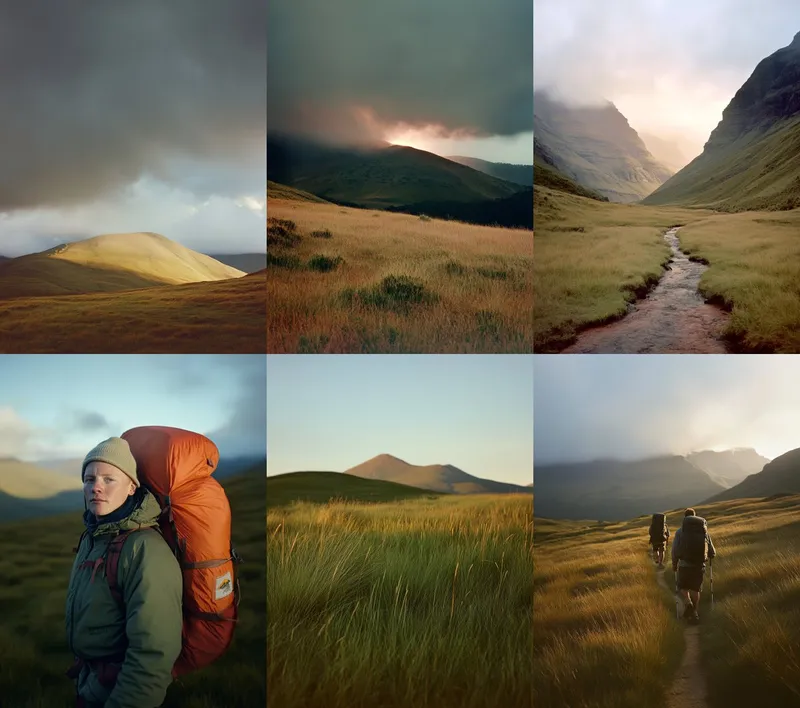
(661, 566)
(695, 618)
(689, 612)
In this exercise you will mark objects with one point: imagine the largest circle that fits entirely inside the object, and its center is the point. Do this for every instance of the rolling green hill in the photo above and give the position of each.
(35, 562)
(752, 158)
(378, 176)
(321, 487)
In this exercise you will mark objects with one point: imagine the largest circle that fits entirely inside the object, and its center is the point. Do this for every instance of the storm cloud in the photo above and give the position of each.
(670, 67)
(345, 70)
(97, 94)
(629, 407)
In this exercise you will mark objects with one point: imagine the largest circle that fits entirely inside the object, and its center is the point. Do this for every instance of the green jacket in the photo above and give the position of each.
(146, 633)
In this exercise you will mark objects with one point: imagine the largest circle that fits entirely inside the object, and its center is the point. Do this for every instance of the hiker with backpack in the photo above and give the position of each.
(659, 535)
(151, 593)
(691, 549)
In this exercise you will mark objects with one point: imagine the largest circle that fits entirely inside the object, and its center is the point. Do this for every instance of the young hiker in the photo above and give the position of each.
(125, 647)
(691, 548)
(659, 535)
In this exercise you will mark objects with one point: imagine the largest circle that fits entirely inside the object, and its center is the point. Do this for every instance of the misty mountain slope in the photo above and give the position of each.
(667, 152)
(780, 476)
(617, 490)
(321, 487)
(109, 263)
(518, 174)
(545, 174)
(728, 467)
(438, 478)
(377, 176)
(27, 480)
(752, 158)
(597, 148)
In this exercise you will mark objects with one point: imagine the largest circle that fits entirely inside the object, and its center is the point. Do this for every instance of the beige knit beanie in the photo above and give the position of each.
(114, 451)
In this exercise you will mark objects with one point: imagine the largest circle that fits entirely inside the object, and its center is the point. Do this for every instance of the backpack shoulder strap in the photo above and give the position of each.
(113, 553)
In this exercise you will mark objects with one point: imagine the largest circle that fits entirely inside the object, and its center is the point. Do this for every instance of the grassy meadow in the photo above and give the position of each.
(606, 634)
(592, 260)
(35, 565)
(422, 602)
(345, 280)
(226, 317)
(754, 272)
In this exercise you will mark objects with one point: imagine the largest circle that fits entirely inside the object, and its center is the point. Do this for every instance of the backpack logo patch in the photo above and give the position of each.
(223, 586)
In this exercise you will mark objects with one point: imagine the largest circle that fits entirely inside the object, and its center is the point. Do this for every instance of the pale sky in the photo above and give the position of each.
(670, 66)
(133, 116)
(629, 407)
(60, 406)
(330, 413)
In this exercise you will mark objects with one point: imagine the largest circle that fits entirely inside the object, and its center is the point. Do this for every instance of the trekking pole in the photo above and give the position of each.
(711, 581)
(677, 599)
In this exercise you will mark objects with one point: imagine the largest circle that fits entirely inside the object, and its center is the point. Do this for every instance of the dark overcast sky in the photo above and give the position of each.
(628, 407)
(670, 66)
(465, 65)
(150, 110)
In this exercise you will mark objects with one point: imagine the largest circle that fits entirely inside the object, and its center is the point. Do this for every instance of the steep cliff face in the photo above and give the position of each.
(596, 147)
(752, 158)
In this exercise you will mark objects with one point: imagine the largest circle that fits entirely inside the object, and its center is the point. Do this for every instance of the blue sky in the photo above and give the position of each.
(628, 407)
(59, 406)
(334, 412)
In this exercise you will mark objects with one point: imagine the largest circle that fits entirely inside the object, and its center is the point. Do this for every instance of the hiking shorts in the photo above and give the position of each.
(690, 578)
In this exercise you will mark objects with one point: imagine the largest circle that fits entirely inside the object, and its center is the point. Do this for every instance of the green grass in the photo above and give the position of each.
(281, 191)
(35, 564)
(591, 260)
(759, 171)
(755, 273)
(546, 176)
(322, 487)
(422, 602)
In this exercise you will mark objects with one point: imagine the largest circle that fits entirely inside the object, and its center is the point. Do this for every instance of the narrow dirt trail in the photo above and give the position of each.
(688, 688)
(672, 318)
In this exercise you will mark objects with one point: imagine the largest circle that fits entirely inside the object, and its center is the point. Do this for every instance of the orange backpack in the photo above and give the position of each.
(176, 466)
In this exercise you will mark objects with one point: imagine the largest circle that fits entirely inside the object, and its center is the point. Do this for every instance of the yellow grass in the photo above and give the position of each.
(754, 270)
(592, 259)
(482, 277)
(603, 633)
(215, 317)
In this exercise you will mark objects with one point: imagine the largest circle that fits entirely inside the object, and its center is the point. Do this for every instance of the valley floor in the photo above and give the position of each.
(344, 280)
(605, 633)
(593, 259)
(212, 317)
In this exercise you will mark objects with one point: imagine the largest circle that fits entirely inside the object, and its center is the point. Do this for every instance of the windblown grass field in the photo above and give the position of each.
(593, 259)
(225, 317)
(344, 280)
(35, 564)
(754, 272)
(606, 634)
(423, 602)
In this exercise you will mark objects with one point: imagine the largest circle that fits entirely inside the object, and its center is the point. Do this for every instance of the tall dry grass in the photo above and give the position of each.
(423, 603)
(604, 634)
(476, 280)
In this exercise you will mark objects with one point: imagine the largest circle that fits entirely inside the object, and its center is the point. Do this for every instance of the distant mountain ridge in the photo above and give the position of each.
(781, 476)
(519, 174)
(728, 467)
(613, 490)
(751, 160)
(596, 147)
(437, 478)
